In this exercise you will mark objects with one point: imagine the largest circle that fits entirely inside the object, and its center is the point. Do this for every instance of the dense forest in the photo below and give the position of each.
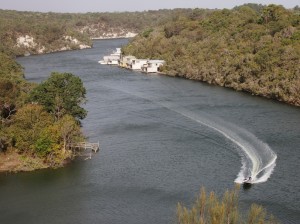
(252, 48)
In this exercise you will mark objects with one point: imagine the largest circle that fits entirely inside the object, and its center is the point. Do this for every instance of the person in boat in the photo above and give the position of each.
(247, 180)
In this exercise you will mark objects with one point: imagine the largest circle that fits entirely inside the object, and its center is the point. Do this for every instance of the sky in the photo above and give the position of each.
(128, 5)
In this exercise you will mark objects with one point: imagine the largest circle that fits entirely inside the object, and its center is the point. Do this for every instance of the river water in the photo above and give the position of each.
(161, 139)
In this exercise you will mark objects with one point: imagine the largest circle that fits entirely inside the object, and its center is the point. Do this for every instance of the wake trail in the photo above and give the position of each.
(258, 159)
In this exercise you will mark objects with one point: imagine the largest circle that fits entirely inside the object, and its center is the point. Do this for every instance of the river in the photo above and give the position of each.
(161, 139)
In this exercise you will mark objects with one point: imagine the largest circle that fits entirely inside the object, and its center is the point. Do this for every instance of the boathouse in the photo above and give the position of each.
(137, 64)
(152, 66)
(126, 61)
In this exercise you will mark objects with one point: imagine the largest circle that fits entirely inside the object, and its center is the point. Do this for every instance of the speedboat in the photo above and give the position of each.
(247, 181)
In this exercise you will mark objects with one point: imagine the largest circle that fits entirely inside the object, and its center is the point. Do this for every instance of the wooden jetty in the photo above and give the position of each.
(85, 145)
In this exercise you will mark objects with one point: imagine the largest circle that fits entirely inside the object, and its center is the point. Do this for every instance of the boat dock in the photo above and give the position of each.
(85, 146)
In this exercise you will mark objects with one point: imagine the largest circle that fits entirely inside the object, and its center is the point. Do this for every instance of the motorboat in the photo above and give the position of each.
(112, 59)
(247, 181)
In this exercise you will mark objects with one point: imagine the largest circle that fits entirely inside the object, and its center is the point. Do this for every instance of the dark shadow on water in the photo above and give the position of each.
(247, 186)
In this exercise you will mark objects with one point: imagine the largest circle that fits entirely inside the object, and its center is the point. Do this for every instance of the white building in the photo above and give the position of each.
(152, 66)
(126, 61)
(137, 64)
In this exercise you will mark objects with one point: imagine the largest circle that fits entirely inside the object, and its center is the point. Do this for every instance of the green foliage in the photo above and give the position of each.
(34, 132)
(209, 209)
(43, 145)
(48, 31)
(273, 13)
(69, 131)
(55, 139)
(9, 68)
(256, 7)
(61, 94)
(9, 92)
(28, 124)
(147, 32)
(29, 128)
(250, 48)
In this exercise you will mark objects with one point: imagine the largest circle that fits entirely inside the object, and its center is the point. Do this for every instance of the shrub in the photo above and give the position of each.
(209, 209)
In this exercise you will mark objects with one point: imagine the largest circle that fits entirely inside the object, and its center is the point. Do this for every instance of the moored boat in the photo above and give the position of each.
(112, 59)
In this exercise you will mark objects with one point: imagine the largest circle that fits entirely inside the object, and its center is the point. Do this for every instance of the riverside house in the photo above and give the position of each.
(125, 61)
(152, 66)
(137, 64)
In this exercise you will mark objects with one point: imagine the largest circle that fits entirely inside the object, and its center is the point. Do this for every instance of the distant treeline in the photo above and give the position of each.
(252, 48)
(49, 30)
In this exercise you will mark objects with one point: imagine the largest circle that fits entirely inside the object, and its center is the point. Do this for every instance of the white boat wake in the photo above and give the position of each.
(258, 159)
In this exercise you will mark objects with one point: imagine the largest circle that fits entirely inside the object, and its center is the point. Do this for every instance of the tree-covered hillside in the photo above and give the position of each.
(251, 48)
(28, 32)
(33, 32)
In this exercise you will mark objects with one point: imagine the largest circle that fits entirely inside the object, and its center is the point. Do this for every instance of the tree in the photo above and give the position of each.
(28, 124)
(61, 94)
(9, 92)
(69, 131)
(10, 69)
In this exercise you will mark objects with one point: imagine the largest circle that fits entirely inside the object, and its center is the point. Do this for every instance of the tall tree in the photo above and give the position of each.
(61, 94)
(28, 124)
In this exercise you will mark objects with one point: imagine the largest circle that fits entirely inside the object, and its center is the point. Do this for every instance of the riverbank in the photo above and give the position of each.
(79, 47)
(110, 36)
(12, 162)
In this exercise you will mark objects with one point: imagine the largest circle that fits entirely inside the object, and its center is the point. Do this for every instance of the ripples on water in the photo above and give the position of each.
(258, 159)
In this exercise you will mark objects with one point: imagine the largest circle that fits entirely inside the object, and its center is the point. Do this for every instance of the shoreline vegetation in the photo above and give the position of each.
(39, 122)
(251, 48)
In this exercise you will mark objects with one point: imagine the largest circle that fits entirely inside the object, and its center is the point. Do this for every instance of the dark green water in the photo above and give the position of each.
(161, 139)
